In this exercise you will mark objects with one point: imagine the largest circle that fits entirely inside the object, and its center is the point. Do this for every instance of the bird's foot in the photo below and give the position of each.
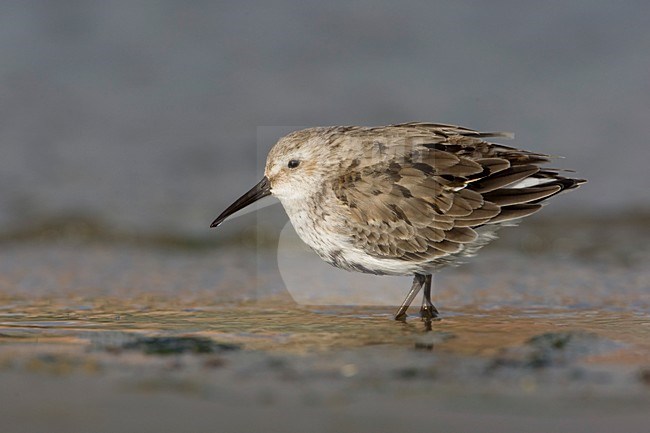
(401, 317)
(429, 312)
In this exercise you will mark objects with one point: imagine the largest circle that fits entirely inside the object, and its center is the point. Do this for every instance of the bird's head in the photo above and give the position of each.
(296, 168)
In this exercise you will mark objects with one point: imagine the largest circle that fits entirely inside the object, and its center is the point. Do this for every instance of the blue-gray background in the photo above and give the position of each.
(146, 115)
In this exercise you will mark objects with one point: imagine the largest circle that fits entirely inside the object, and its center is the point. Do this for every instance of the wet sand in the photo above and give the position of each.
(536, 335)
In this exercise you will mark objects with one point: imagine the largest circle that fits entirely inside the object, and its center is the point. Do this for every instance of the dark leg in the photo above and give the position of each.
(418, 280)
(428, 310)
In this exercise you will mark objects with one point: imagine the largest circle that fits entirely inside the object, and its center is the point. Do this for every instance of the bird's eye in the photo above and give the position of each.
(293, 163)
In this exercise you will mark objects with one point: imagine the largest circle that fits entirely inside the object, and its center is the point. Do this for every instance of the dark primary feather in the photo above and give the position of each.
(436, 184)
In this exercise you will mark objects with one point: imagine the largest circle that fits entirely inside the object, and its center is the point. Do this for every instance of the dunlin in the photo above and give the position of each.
(404, 199)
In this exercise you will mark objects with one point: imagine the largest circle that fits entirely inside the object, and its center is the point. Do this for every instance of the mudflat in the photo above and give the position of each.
(545, 330)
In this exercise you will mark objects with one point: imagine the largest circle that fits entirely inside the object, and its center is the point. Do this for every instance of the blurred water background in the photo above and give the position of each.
(145, 117)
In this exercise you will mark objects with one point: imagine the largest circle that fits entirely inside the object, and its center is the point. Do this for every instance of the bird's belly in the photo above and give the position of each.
(354, 260)
(330, 245)
(339, 252)
(337, 249)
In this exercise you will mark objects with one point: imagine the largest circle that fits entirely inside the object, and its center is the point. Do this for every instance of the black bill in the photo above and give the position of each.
(262, 189)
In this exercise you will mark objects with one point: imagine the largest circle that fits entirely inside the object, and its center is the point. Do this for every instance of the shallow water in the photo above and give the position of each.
(281, 327)
(557, 332)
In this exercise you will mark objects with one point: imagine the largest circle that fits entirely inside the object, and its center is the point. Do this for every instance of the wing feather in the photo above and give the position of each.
(425, 198)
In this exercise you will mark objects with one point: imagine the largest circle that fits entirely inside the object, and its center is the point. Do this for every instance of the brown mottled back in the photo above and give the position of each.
(420, 191)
